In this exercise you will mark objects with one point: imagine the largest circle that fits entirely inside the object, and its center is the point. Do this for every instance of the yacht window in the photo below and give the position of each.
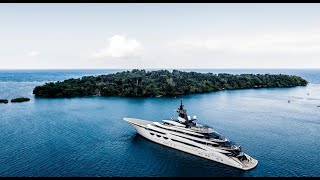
(214, 145)
(187, 144)
(214, 135)
(156, 131)
(190, 134)
(228, 143)
(152, 134)
(158, 135)
(198, 141)
(165, 137)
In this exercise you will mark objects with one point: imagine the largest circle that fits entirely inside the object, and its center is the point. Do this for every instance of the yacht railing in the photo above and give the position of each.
(202, 129)
(216, 140)
(232, 147)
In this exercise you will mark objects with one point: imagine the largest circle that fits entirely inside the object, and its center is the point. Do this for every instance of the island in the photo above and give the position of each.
(20, 99)
(3, 101)
(142, 83)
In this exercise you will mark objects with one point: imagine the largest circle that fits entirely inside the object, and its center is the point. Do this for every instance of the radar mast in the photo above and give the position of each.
(182, 112)
(184, 118)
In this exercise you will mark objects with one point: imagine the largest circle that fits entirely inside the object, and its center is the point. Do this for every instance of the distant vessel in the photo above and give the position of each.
(194, 138)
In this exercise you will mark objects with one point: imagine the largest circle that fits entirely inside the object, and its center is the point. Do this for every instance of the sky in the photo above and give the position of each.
(128, 35)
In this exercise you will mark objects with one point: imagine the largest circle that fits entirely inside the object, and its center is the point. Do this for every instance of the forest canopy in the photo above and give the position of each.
(142, 83)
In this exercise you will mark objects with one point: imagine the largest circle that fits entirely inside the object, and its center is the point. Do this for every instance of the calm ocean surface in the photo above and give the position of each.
(87, 136)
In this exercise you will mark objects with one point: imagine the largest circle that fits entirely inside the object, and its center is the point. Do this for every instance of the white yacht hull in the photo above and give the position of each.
(206, 152)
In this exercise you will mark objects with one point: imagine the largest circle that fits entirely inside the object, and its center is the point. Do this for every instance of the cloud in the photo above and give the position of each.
(302, 42)
(120, 47)
(32, 53)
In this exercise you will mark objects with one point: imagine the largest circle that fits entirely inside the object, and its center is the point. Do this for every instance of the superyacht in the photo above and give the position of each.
(201, 140)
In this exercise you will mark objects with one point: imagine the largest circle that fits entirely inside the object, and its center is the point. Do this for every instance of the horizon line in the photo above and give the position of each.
(160, 68)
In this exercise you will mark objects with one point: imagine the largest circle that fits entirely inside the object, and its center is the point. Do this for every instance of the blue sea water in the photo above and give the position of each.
(87, 136)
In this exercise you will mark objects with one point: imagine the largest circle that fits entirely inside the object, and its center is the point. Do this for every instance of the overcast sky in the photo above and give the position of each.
(100, 36)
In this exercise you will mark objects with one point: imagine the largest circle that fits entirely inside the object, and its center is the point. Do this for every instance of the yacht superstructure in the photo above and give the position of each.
(194, 138)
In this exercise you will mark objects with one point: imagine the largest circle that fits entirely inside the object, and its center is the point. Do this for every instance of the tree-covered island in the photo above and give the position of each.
(20, 99)
(142, 83)
(4, 101)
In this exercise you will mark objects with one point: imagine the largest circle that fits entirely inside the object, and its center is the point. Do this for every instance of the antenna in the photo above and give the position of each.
(181, 105)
